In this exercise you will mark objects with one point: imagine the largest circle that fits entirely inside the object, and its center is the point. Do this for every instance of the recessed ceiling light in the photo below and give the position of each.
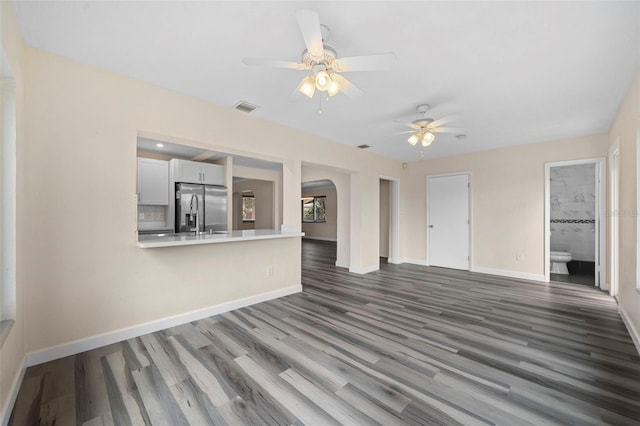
(159, 145)
(461, 136)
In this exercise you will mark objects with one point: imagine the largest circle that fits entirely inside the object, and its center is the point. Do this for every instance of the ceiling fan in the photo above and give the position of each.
(321, 61)
(423, 128)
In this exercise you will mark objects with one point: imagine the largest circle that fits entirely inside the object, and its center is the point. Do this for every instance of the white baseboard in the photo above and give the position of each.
(510, 274)
(421, 262)
(82, 345)
(309, 237)
(394, 260)
(13, 394)
(363, 269)
(342, 265)
(635, 336)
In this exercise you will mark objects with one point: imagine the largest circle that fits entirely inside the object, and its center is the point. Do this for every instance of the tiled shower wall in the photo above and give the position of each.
(573, 210)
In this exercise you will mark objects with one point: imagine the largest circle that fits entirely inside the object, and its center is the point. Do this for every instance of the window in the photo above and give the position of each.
(314, 209)
(248, 208)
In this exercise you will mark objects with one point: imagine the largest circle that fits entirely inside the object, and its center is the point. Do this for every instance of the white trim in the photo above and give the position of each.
(507, 273)
(13, 393)
(614, 224)
(633, 332)
(309, 237)
(637, 195)
(421, 262)
(363, 269)
(86, 344)
(395, 261)
(342, 265)
(600, 191)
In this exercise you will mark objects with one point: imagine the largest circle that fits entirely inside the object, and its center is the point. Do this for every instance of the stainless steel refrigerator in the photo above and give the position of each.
(201, 205)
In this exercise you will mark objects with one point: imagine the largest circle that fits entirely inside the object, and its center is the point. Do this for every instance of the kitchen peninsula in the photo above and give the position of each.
(186, 239)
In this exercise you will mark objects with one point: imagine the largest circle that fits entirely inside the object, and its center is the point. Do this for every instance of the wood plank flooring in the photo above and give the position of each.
(407, 345)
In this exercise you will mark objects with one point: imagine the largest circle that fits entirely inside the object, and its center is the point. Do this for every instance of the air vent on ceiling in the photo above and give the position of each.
(245, 107)
(364, 146)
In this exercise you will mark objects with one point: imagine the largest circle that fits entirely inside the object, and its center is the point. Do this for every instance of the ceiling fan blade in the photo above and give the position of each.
(309, 23)
(403, 133)
(272, 63)
(443, 120)
(447, 130)
(347, 87)
(377, 62)
(404, 123)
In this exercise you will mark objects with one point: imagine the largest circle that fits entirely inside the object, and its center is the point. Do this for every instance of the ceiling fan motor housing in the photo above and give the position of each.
(422, 123)
(325, 60)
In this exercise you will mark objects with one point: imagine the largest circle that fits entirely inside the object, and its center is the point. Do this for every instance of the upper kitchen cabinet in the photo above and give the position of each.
(153, 182)
(195, 172)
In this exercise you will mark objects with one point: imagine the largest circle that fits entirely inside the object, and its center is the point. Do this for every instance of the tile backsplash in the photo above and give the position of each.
(573, 209)
(152, 217)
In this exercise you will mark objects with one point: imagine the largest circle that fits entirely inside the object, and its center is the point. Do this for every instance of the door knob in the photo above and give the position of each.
(430, 226)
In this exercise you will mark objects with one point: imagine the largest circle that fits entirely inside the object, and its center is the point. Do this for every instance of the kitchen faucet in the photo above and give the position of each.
(191, 213)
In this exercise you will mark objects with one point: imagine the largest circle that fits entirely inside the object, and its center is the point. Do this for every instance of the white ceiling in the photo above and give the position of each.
(512, 72)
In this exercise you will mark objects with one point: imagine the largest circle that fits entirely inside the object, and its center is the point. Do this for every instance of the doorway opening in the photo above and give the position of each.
(319, 206)
(389, 205)
(574, 209)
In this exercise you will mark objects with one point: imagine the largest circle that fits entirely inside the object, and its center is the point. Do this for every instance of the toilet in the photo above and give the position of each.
(559, 260)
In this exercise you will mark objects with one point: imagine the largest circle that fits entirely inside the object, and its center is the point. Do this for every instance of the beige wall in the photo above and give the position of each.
(265, 175)
(263, 192)
(626, 131)
(327, 230)
(96, 281)
(12, 352)
(385, 211)
(507, 201)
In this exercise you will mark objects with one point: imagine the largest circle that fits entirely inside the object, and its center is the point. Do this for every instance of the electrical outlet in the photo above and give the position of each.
(141, 216)
(269, 270)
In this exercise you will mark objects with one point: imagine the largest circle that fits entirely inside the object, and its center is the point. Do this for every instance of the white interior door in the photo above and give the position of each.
(448, 221)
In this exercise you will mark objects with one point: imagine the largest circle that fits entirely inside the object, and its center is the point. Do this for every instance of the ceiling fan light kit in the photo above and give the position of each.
(322, 62)
(308, 86)
(423, 128)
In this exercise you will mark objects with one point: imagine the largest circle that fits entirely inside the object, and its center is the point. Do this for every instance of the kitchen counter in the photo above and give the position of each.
(171, 240)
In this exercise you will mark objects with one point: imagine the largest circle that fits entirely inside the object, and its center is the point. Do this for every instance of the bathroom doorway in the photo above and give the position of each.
(574, 228)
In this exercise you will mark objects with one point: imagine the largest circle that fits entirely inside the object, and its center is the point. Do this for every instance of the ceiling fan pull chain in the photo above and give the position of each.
(320, 104)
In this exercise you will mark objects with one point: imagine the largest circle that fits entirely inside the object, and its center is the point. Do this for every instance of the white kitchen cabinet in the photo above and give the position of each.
(186, 171)
(212, 174)
(153, 182)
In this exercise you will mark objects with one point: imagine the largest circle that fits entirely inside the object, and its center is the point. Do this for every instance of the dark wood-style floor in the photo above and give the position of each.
(404, 345)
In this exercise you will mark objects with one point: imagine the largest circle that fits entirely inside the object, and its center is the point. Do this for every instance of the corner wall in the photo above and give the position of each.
(626, 129)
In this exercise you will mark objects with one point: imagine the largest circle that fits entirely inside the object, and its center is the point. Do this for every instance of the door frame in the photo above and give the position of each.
(470, 214)
(614, 218)
(600, 193)
(394, 219)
